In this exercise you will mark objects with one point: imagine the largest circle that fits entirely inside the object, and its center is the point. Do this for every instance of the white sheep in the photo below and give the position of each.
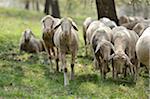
(101, 44)
(143, 48)
(92, 27)
(124, 43)
(86, 24)
(66, 40)
(108, 22)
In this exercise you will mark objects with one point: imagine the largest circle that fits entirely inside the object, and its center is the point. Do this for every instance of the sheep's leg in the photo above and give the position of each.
(37, 50)
(96, 64)
(113, 70)
(115, 74)
(125, 71)
(72, 65)
(137, 64)
(103, 73)
(55, 53)
(57, 60)
(131, 70)
(85, 45)
(63, 60)
(50, 58)
(98, 60)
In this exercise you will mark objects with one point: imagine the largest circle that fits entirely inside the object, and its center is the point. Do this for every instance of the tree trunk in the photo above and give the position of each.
(47, 5)
(27, 2)
(37, 5)
(55, 8)
(106, 8)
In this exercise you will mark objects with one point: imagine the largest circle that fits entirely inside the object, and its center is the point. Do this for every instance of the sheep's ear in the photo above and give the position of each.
(32, 33)
(111, 57)
(24, 32)
(44, 18)
(57, 26)
(74, 26)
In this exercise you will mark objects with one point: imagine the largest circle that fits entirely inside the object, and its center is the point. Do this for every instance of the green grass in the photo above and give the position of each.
(28, 76)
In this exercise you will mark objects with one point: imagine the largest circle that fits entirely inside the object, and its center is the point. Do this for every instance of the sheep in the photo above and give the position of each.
(48, 23)
(130, 25)
(138, 25)
(86, 24)
(29, 43)
(139, 28)
(128, 19)
(143, 48)
(66, 40)
(92, 27)
(101, 44)
(108, 22)
(124, 43)
(123, 19)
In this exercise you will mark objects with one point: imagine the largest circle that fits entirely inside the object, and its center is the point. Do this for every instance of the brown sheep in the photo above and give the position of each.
(30, 44)
(48, 23)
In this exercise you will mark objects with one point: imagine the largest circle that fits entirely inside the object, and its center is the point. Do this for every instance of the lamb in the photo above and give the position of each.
(48, 23)
(101, 44)
(124, 43)
(86, 24)
(143, 48)
(66, 40)
(29, 43)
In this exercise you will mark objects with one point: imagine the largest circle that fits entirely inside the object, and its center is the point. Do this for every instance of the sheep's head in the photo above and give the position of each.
(27, 34)
(123, 19)
(66, 25)
(120, 60)
(47, 22)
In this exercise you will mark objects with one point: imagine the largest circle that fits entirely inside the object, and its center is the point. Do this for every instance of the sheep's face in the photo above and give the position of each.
(48, 25)
(119, 62)
(27, 35)
(66, 26)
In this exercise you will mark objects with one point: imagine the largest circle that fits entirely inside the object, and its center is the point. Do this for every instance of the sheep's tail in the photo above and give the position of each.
(104, 42)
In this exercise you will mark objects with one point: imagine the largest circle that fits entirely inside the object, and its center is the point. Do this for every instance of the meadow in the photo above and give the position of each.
(24, 75)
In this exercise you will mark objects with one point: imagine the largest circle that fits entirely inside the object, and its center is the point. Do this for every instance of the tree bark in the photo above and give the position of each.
(37, 5)
(55, 12)
(27, 3)
(47, 5)
(55, 9)
(106, 8)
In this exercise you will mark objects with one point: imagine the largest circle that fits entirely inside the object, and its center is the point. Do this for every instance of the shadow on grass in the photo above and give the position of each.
(52, 74)
(94, 78)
